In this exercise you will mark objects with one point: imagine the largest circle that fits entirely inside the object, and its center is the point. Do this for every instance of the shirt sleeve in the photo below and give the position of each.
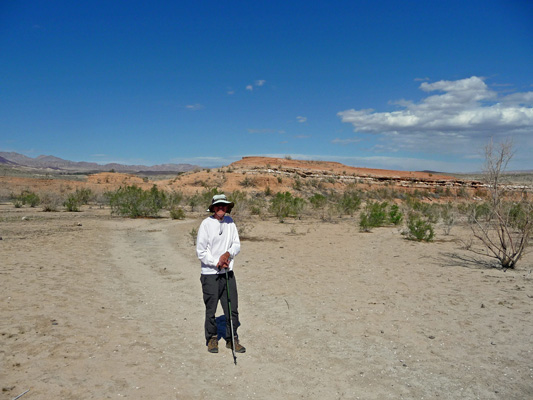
(203, 250)
(235, 244)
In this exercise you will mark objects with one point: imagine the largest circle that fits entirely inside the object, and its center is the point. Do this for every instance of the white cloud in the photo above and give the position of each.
(260, 82)
(250, 88)
(301, 119)
(463, 113)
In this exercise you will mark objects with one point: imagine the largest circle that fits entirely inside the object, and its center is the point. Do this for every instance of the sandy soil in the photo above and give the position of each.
(98, 307)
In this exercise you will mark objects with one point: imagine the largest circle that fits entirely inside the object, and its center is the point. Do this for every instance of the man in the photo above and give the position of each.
(217, 245)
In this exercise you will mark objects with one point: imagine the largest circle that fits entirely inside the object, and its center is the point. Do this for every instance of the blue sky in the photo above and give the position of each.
(409, 85)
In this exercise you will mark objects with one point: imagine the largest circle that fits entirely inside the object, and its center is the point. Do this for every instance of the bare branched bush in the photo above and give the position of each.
(448, 217)
(505, 234)
(248, 182)
(50, 202)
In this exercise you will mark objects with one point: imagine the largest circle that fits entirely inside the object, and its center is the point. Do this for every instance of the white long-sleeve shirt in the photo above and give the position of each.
(214, 239)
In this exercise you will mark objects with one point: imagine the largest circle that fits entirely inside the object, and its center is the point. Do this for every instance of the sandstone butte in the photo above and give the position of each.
(256, 174)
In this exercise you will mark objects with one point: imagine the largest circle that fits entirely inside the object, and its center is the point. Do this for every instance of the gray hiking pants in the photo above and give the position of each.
(214, 289)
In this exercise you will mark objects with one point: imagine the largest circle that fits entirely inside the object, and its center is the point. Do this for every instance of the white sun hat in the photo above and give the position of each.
(220, 199)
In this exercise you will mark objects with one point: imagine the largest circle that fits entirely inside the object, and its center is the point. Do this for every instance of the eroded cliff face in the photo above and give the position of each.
(264, 174)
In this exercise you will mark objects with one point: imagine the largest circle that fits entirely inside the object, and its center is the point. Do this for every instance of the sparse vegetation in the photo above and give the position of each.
(248, 182)
(325, 195)
(133, 202)
(318, 201)
(174, 199)
(78, 198)
(193, 234)
(378, 214)
(349, 202)
(448, 217)
(26, 197)
(50, 202)
(297, 184)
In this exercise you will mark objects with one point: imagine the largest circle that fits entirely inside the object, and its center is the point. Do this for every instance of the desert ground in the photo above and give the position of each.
(95, 306)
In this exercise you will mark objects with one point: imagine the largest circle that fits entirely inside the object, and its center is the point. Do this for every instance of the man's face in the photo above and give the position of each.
(220, 210)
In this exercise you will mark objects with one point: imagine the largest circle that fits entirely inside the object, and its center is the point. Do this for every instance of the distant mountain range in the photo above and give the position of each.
(13, 159)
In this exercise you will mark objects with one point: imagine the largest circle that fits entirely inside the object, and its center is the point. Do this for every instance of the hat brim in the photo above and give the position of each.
(228, 203)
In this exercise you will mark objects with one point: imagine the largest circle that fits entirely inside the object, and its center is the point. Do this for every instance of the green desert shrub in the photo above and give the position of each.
(257, 205)
(174, 199)
(193, 234)
(71, 203)
(318, 201)
(374, 215)
(177, 213)
(84, 195)
(77, 199)
(430, 211)
(395, 215)
(419, 228)
(518, 214)
(349, 202)
(378, 214)
(285, 204)
(133, 201)
(194, 201)
(26, 197)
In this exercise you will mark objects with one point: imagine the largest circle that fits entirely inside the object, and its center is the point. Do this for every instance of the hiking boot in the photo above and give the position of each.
(238, 347)
(212, 345)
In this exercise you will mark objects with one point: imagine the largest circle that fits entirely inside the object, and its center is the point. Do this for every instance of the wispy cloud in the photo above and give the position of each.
(266, 131)
(257, 83)
(463, 114)
(301, 119)
(194, 107)
(346, 141)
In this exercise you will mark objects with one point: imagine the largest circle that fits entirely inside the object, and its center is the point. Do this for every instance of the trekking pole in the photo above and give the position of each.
(230, 320)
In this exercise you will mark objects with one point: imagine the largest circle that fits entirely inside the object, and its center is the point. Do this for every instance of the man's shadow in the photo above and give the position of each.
(221, 326)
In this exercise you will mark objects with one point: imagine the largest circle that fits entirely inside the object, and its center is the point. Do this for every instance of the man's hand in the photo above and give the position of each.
(223, 261)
